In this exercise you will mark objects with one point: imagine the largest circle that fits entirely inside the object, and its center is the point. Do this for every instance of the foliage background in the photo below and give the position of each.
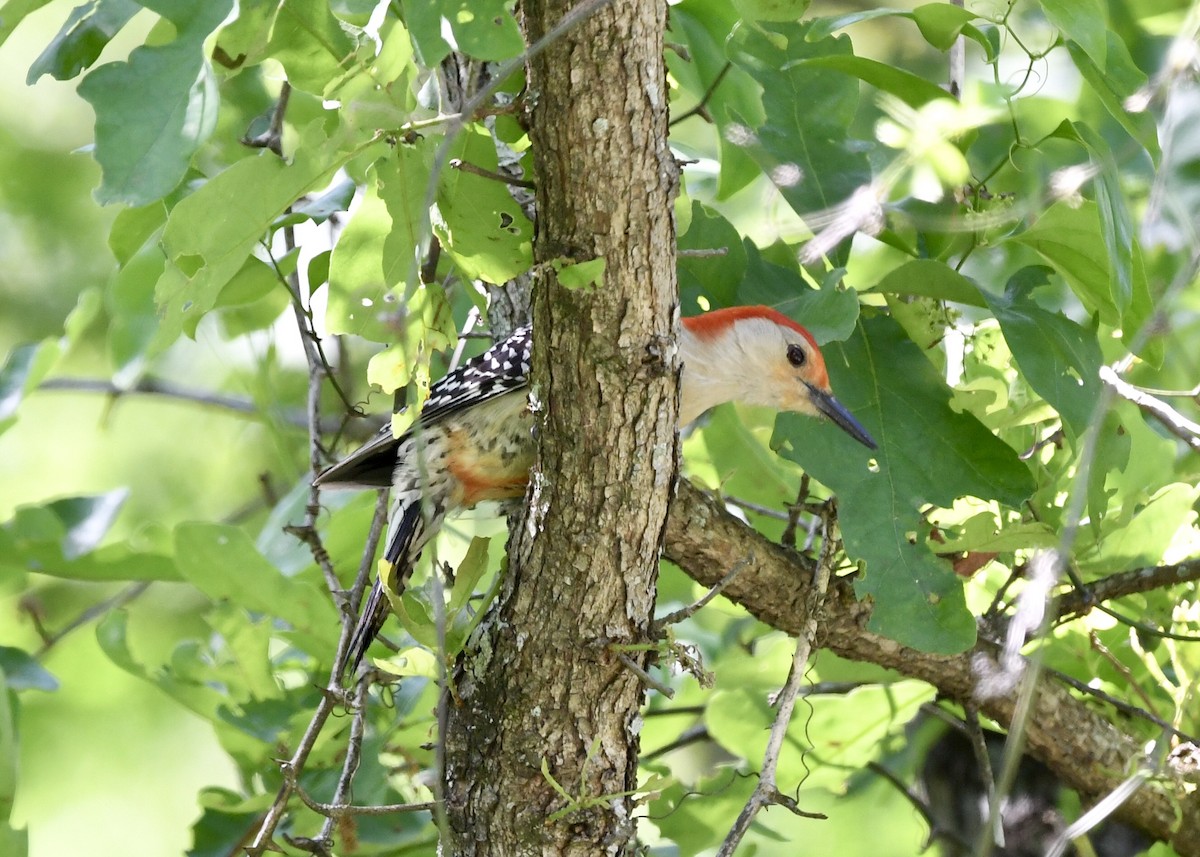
(111, 763)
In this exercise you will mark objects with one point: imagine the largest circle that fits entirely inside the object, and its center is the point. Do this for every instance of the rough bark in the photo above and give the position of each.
(1086, 751)
(542, 693)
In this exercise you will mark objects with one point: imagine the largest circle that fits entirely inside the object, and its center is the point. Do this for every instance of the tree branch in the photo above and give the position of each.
(1172, 420)
(1077, 602)
(1084, 749)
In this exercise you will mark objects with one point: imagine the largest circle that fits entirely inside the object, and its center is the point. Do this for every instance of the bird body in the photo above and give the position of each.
(474, 440)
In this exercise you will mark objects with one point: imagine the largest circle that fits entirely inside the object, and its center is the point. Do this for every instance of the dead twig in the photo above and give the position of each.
(467, 167)
(767, 792)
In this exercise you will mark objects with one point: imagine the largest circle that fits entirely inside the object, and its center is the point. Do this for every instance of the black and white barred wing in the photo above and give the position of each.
(501, 369)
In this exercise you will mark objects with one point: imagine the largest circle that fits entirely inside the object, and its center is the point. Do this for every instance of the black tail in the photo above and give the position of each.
(399, 554)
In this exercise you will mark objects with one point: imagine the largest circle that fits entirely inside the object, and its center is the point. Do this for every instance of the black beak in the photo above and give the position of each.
(837, 413)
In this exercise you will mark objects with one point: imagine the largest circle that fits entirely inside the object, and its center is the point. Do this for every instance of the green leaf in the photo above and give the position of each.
(1082, 21)
(60, 539)
(1112, 83)
(771, 10)
(803, 145)
(483, 228)
(823, 28)
(133, 228)
(735, 104)
(942, 23)
(26, 367)
(928, 454)
(13, 841)
(403, 185)
(221, 562)
(112, 633)
(696, 817)
(579, 275)
(252, 300)
(1071, 240)
(130, 302)
(87, 31)
(361, 300)
(715, 278)
(12, 14)
(310, 43)
(154, 110)
(424, 21)
(205, 252)
(912, 90)
(469, 573)
(332, 202)
(1141, 539)
(1060, 359)
(829, 313)
(225, 823)
(86, 520)
(484, 29)
(841, 735)
(1116, 225)
(242, 42)
(22, 672)
(930, 279)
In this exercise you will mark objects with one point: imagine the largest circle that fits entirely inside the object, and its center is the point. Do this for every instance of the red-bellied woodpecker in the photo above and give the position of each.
(474, 439)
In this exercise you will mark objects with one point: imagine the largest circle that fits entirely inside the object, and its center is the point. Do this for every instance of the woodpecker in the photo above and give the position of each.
(474, 441)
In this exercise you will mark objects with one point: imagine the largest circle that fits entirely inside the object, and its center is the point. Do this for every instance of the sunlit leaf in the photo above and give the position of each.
(1059, 358)
(928, 454)
(310, 43)
(482, 228)
(155, 109)
(78, 44)
(222, 563)
(1082, 21)
(804, 145)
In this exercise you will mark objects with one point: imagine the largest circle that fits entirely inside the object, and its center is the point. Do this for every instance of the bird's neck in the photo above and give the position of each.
(705, 381)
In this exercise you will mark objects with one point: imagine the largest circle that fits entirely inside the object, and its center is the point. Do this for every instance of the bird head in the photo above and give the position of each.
(758, 356)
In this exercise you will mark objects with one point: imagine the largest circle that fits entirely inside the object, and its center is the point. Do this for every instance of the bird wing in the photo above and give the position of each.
(501, 369)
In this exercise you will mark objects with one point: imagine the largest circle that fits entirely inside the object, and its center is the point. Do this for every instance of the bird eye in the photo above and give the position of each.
(796, 356)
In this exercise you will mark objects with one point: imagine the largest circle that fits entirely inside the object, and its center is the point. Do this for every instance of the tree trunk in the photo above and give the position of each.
(543, 701)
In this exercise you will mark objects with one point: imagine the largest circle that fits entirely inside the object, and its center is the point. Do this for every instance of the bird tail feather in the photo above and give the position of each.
(401, 554)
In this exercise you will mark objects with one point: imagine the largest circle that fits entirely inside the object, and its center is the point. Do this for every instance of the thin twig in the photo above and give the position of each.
(467, 167)
(702, 106)
(342, 792)
(129, 593)
(692, 735)
(272, 138)
(166, 389)
(757, 508)
(984, 760)
(793, 513)
(266, 830)
(336, 811)
(645, 677)
(1173, 421)
(767, 792)
(317, 370)
(1126, 673)
(1049, 565)
(685, 612)
(1119, 705)
(936, 830)
(701, 252)
(1079, 601)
